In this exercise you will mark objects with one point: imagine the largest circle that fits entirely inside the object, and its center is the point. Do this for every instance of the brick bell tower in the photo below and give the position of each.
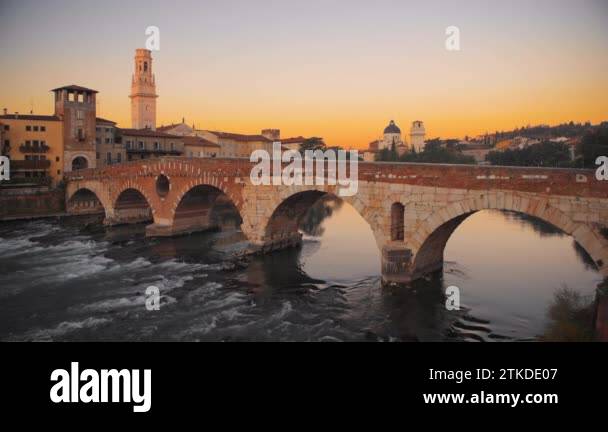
(143, 92)
(76, 107)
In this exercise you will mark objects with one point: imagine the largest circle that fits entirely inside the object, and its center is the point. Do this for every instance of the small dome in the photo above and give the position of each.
(392, 128)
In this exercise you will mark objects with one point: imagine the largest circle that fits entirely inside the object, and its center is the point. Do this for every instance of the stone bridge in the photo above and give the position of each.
(412, 209)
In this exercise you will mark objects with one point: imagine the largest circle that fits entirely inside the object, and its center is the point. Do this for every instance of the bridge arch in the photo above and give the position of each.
(86, 200)
(200, 206)
(432, 234)
(279, 224)
(131, 205)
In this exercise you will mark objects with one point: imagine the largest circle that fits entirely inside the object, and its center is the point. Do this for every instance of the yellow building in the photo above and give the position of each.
(34, 144)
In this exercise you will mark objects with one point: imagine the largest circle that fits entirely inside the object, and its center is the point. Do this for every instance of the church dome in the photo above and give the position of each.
(392, 128)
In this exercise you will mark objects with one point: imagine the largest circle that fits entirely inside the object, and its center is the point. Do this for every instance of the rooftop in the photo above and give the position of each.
(30, 117)
(240, 137)
(293, 140)
(102, 120)
(198, 141)
(74, 87)
(392, 128)
(148, 133)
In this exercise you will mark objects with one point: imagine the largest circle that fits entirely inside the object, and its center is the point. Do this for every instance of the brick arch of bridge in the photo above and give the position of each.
(93, 186)
(257, 221)
(432, 234)
(179, 189)
(143, 187)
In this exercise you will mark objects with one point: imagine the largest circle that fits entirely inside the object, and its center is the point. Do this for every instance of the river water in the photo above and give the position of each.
(518, 279)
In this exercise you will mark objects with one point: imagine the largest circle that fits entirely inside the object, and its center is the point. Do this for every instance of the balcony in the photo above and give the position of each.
(29, 148)
(27, 165)
(27, 182)
(155, 152)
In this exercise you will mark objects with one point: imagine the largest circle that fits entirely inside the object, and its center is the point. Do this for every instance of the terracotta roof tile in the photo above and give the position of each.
(148, 133)
(102, 120)
(75, 87)
(240, 137)
(198, 141)
(29, 117)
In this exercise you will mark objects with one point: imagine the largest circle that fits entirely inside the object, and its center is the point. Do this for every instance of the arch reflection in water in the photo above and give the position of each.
(512, 270)
(511, 274)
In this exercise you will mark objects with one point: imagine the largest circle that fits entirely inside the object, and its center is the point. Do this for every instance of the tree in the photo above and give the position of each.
(312, 143)
(593, 144)
(437, 154)
(393, 151)
(544, 154)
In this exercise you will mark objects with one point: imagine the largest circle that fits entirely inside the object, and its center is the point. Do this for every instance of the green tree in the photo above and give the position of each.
(593, 144)
(546, 154)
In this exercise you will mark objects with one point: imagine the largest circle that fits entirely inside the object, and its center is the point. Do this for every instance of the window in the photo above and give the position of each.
(118, 157)
(71, 97)
(58, 172)
(80, 134)
(57, 160)
(141, 145)
(397, 221)
(109, 158)
(97, 155)
(107, 129)
(35, 128)
(36, 143)
(171, 146)
(7, 127)
(156, 145)
(98, 129)
(107, 140)
(79, 114)
(42, 128)
(28, 128)
(28, 143)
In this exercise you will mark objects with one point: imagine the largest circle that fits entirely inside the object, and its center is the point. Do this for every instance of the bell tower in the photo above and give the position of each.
(143, 92)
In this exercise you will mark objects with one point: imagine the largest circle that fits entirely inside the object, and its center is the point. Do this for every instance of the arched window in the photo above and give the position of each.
(397, 221)
(79, 163)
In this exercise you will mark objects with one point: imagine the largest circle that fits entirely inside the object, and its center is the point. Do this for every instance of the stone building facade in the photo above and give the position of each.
(109, 146)
(147, 143)
(76, 107)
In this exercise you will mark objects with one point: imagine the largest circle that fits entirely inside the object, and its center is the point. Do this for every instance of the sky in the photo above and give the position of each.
(332, 68)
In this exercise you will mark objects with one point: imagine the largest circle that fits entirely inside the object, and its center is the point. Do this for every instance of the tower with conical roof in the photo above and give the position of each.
(143, 92)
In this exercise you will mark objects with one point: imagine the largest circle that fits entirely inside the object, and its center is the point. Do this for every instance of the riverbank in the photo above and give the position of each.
(19, 202)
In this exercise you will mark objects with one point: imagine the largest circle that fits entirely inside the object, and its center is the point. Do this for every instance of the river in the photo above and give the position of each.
(519, 279)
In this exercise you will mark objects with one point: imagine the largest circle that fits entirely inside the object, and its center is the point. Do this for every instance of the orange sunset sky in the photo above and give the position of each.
(336, 69)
